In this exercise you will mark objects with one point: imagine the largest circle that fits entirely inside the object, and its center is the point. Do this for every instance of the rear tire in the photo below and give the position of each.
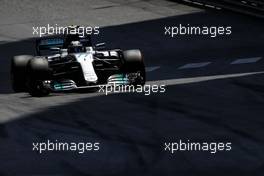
(134, 63)
(19, 71)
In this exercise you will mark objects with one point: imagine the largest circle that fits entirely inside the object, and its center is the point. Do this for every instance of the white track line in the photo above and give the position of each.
(150, 69)
(246, 60)
(178, 81)
(195, 65)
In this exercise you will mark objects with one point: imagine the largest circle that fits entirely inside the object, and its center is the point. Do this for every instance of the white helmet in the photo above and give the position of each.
(76, 43)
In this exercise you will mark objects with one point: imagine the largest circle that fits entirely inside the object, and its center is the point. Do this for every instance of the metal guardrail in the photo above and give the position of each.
(251, 7)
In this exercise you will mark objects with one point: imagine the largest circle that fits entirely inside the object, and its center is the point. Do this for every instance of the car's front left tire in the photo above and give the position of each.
(133, 63)
(19, 71)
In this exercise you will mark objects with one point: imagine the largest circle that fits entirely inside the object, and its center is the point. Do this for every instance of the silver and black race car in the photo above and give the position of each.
(71, 62)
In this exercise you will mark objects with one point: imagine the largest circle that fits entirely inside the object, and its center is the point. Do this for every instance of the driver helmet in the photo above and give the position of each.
(76, 47)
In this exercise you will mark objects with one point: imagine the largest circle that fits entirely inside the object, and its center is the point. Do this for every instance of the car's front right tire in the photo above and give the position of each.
(38, 71)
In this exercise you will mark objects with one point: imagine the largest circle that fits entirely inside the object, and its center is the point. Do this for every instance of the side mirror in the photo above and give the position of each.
(100, 46)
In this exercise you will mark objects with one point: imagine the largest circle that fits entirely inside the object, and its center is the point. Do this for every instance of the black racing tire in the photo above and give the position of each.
(134, 63)
(19, 71)
(38, 71)
(37, 89)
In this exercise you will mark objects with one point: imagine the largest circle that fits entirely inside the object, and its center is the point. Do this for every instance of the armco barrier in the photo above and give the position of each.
(251, 7)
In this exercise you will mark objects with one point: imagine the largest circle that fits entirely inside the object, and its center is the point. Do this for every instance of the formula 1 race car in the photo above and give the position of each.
(71, 62)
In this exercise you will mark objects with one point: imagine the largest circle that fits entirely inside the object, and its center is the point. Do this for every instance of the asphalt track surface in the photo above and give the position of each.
(215, 102)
